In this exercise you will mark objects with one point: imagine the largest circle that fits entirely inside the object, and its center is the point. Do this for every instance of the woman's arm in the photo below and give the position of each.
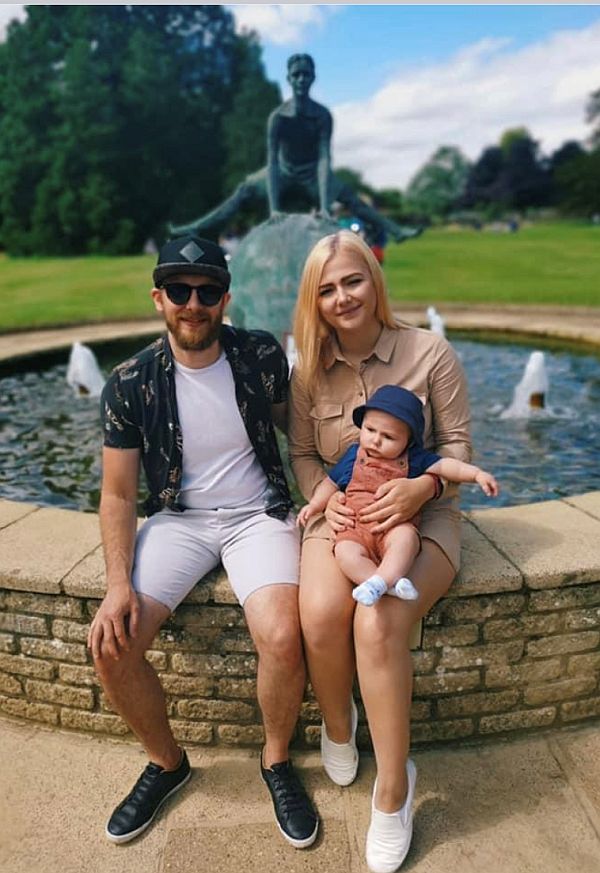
(306, 462)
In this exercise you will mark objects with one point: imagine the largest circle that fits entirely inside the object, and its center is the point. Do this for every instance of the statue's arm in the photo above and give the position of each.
(324, 162)
(272, 162)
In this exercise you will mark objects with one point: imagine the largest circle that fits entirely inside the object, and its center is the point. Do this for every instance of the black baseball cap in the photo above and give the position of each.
(191, 254)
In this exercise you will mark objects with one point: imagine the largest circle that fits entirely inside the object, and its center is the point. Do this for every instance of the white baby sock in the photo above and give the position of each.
(404, 589)
(370, 591)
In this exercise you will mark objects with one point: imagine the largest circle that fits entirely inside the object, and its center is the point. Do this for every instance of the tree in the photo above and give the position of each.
(484, 182)
(245, 124)
(113, 120)
(509, 176)
(579, 184)
(439, 184)
(593, 116)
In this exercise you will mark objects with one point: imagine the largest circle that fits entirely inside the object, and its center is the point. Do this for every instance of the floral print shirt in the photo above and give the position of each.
(139, 410)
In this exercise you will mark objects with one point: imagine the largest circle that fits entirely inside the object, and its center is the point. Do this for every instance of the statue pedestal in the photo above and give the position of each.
(266, 270)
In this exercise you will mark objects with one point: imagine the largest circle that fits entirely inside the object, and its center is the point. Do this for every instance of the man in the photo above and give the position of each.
(298, 159)
(196, 408)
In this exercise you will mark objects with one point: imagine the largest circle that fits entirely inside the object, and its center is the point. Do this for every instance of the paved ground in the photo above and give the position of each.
(525, 806)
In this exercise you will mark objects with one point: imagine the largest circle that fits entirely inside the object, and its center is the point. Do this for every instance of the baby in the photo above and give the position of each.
(390, 447)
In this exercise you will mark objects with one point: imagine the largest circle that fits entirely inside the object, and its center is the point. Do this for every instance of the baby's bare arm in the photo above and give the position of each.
(458, 471)
(318, 501)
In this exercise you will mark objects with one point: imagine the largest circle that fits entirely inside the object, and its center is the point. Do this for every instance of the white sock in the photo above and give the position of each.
(404, 589)
(370, 591)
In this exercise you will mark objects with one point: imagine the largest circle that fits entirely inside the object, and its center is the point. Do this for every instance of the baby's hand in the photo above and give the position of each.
(304, 514)
(487, 483)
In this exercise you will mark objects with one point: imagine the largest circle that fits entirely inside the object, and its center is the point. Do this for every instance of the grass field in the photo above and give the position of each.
(555, 264)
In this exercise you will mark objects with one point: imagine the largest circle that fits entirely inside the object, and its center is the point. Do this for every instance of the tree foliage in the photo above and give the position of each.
(115, 119)
(438, 185)
(511, 175)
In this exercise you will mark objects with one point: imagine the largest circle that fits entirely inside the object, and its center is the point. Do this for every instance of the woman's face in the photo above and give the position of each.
(347, 300)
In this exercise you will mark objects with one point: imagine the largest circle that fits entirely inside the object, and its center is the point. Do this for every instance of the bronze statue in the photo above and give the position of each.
(298, 161)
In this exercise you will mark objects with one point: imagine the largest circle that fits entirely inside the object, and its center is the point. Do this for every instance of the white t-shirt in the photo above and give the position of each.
(220, 467)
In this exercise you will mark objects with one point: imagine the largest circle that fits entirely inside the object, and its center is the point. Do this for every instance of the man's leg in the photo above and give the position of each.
(272, 618)
(273, 622)
(134, 689)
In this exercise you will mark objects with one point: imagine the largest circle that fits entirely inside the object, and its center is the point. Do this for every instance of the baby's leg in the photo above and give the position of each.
(353, 559)
(401, 545)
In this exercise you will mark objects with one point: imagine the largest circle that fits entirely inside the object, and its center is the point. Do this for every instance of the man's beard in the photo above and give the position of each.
(206, 332)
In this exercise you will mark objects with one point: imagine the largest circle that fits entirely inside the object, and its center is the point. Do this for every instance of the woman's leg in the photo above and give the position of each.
(326, 612)
(384, 665)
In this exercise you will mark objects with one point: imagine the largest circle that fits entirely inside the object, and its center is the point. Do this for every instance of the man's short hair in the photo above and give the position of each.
(294, 59)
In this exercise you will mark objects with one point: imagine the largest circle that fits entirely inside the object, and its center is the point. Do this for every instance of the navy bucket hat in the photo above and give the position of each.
(192, 255)
(402, 404)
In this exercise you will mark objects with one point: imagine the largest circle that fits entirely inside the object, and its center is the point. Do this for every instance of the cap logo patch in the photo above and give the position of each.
(191, 252)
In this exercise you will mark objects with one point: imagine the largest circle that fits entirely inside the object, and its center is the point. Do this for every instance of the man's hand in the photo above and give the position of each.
(108, 635)
(397, 501)
(339, 516)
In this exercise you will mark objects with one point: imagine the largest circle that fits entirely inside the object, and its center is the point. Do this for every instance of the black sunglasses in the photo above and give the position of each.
(179, 293)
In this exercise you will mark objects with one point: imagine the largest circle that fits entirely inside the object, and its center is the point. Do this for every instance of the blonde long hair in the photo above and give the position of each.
(311, 334)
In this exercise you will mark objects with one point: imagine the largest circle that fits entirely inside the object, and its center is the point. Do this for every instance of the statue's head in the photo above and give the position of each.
(301, 74)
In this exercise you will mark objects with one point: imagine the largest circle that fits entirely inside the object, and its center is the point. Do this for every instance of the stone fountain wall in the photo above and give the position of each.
(515, 646)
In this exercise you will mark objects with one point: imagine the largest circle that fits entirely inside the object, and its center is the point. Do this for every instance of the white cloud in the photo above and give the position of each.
(278, 23)
(8, 12)
(468, 101)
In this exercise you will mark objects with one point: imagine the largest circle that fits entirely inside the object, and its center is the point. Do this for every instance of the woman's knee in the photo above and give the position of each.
(383, 631)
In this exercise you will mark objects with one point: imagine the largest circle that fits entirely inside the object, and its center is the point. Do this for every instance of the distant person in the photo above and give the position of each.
(197, 409)
(298, 159)
(390, 446)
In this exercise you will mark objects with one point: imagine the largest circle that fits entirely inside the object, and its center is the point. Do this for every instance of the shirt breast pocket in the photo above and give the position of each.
(327, 420)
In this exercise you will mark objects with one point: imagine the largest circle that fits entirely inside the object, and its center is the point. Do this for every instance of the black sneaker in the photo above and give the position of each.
(134, 814)
(295, 814)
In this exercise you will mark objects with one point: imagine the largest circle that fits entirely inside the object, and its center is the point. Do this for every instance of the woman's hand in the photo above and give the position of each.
(397, 501)
(338, 514)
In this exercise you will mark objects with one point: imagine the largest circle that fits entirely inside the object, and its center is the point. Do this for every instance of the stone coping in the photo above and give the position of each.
(572, 324)
(536, 546)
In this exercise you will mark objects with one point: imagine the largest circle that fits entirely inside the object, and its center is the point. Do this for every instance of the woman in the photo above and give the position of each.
(349, 344)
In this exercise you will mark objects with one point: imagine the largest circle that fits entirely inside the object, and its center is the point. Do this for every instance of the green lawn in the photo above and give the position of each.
(542, 264)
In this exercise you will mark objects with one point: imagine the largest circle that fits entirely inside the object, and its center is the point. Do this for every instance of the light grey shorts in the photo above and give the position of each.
(174, 550)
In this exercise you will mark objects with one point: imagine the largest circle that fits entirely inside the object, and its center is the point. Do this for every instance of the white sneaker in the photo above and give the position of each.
(389, 834)
(340, 760)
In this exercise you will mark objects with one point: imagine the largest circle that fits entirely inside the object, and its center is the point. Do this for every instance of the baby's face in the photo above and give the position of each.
(382, 435)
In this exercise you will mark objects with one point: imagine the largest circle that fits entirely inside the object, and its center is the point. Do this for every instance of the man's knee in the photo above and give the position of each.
(110, 669)
(274, 623)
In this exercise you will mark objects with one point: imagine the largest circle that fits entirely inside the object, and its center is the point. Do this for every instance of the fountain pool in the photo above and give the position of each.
(50, 440)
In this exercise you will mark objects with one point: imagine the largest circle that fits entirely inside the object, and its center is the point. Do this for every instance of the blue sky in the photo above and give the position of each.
(357, 47)
(403, 79)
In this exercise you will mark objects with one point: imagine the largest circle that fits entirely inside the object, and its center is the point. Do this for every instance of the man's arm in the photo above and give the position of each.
(118, 522)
